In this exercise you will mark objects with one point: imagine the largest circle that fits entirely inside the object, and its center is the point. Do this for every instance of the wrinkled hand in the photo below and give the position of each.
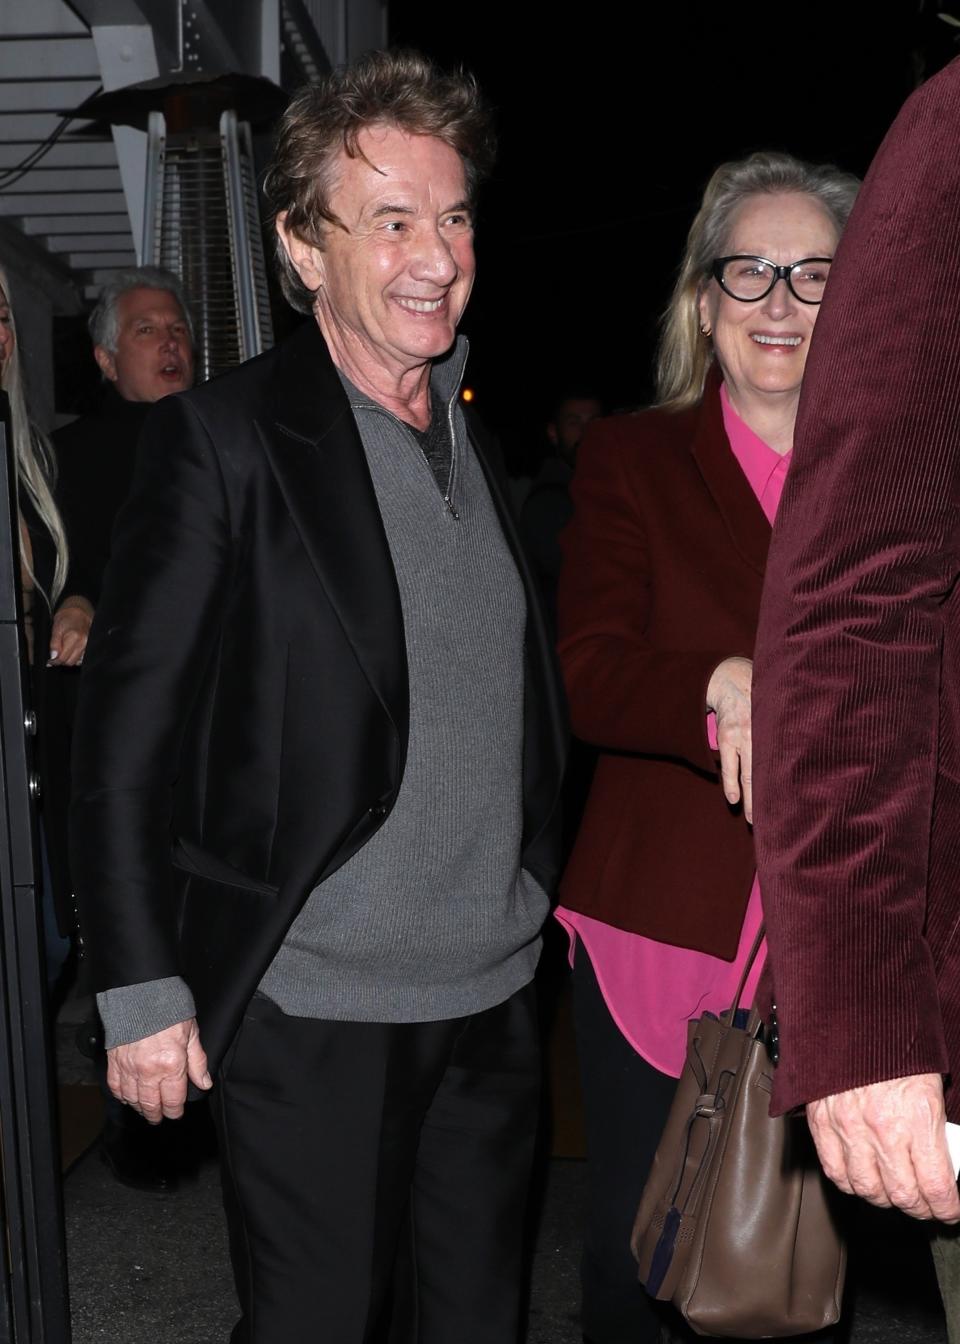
(151, 1075)
(69, 632)
(728, 695)
(887, 1143)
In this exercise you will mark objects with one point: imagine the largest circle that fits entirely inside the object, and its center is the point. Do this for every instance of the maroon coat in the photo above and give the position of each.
(663, 567)
(857, 679)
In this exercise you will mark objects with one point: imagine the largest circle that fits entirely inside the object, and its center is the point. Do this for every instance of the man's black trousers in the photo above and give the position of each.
(341, 1141)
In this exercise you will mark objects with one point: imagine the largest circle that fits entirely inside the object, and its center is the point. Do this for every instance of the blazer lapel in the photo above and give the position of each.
(738, 505)
(316, 455)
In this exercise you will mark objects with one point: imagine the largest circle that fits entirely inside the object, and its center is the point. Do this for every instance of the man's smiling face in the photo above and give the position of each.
(394, 274)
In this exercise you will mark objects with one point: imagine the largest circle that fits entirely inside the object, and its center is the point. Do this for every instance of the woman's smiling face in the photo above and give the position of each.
(762, 347)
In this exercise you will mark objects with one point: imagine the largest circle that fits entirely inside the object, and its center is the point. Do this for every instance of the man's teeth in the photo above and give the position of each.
(776, 340)
(421, 305)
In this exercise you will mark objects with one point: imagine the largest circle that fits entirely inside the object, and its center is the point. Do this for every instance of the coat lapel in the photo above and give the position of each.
(316, 455)
(738, 505)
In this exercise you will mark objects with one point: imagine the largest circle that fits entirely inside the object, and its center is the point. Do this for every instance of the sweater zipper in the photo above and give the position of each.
(453, 462)
(447, 495)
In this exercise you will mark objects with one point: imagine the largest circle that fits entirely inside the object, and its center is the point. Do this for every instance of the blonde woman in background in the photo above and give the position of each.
(56, 615)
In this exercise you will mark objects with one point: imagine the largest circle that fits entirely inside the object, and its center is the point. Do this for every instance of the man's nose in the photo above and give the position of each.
(434, 259)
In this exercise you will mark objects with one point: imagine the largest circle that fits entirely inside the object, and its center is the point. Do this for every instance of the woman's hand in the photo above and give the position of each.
(728, 695)
(68, 635)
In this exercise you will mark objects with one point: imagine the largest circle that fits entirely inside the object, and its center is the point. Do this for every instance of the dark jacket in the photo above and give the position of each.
(857, 697)
(663, 567)
(50, 695)
(243, 711)
(95, 460)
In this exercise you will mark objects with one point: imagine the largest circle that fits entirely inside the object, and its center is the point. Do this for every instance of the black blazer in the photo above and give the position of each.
(242, 725)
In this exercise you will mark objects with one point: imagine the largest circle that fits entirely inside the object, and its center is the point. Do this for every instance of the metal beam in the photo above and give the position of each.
(64, 56)
(88, 261)
(29, 127)
(270, 43)
(101, 241)
(45, 95)
(64, 180)
(50, 226)
(104, 203)
(127, 55)
(77, 154)
(39, 16)
(104, 12)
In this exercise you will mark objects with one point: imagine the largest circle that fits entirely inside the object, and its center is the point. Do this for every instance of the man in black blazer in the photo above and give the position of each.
(319, 752)
(143, 344)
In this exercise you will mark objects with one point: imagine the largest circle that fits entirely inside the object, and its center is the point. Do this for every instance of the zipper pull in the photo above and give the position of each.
(449, 503)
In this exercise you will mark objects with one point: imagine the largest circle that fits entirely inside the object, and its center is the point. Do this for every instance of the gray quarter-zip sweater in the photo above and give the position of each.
(433, 918)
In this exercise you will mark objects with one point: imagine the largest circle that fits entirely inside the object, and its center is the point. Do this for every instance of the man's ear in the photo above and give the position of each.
(106, 362)
(305, 258)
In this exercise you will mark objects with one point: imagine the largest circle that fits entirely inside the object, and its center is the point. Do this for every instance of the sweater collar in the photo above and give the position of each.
(446, 376)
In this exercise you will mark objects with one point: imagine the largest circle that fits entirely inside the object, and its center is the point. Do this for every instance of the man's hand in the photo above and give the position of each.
(151, 1075)
(728, 695)
(68, 634)
(887, 1143)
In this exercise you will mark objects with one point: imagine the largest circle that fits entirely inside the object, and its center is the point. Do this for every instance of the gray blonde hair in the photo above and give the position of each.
(34, 461)
(103, 325)
(391, 88)
(684, 356)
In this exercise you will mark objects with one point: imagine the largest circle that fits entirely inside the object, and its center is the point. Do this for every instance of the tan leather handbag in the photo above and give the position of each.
(736, 1225)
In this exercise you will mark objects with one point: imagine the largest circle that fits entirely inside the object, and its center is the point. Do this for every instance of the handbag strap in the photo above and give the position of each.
(748, 967)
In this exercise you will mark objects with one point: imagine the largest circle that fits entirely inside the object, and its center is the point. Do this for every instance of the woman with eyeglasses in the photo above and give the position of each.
(658, 603)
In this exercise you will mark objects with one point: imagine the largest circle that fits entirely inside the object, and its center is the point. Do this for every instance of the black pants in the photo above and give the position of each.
(626, 1102)
(340, 1140)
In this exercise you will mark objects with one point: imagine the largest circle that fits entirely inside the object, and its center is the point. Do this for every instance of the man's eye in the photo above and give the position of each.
(395, 225)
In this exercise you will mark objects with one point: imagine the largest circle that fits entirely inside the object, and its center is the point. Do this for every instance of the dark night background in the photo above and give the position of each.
(611, 117)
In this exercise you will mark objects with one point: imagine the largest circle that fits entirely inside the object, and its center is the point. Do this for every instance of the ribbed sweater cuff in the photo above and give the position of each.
(134, 1011)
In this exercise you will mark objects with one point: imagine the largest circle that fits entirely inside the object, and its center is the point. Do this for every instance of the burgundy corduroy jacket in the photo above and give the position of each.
(858, 800)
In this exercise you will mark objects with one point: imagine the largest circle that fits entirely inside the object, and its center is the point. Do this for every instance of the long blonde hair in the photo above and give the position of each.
(33, 457)
(684, 356)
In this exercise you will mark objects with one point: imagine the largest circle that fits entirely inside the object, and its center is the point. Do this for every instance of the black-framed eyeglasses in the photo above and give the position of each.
(748, 279)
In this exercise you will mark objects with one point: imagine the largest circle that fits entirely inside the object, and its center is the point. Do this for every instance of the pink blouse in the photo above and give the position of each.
(653, 989)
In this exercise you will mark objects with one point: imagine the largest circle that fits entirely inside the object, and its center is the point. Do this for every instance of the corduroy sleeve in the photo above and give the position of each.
(860, 581)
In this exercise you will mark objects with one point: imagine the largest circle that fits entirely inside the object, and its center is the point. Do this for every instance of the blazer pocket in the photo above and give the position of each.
(198, 862)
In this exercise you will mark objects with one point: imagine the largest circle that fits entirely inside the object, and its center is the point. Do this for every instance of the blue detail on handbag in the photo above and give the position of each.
(663, 1252)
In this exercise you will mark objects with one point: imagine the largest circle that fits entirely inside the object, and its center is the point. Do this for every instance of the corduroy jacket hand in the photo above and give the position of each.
(243, 712)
